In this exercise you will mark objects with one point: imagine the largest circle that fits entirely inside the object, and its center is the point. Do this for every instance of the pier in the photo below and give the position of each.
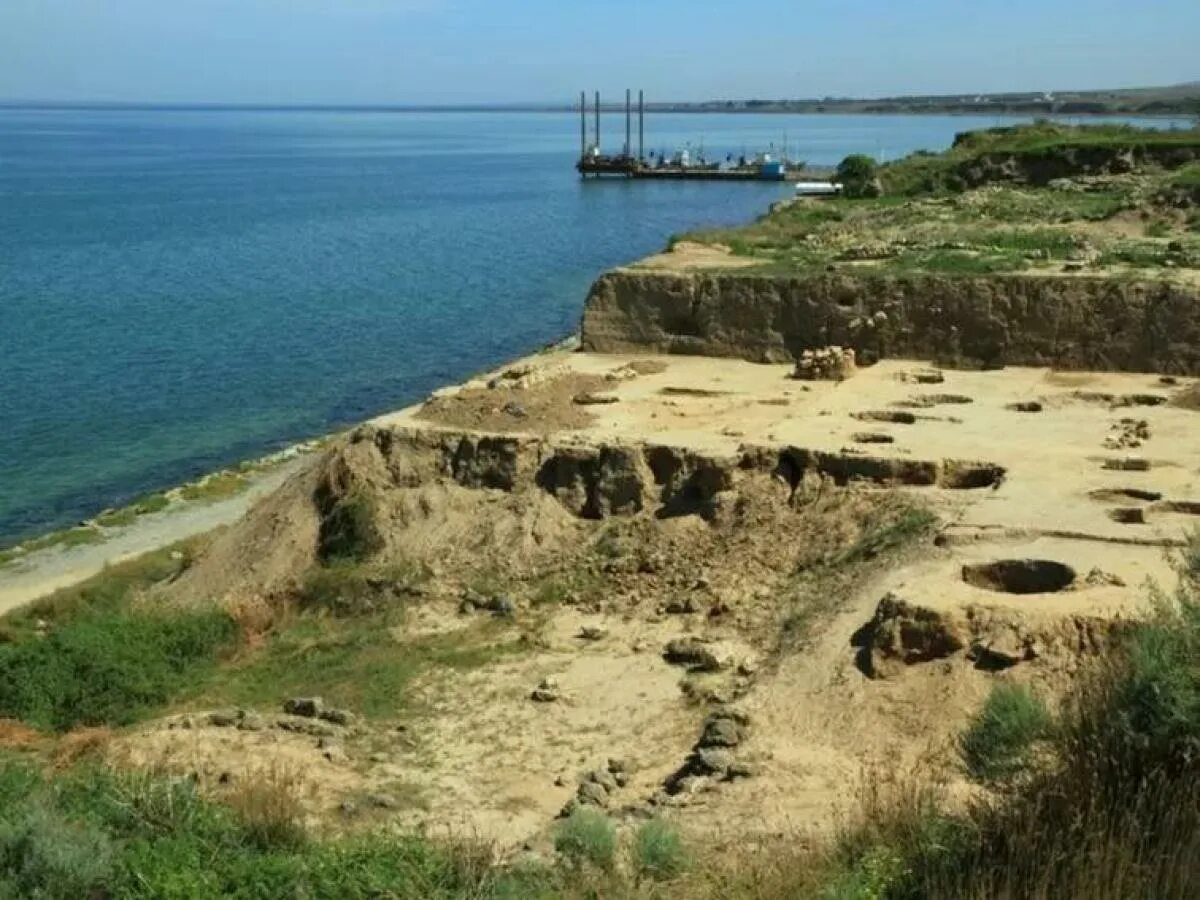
(595, 164)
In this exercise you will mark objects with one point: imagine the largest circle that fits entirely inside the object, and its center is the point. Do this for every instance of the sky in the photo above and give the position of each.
(497, 51)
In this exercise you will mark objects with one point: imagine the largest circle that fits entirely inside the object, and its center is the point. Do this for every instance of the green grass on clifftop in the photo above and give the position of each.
(1116, 225)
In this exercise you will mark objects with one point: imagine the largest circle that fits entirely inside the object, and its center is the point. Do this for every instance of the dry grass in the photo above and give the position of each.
(80, 743)
(255, 618)
(15, 735)
(267, 805)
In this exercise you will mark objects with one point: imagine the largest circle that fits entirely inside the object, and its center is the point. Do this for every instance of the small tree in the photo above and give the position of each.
(858, 176)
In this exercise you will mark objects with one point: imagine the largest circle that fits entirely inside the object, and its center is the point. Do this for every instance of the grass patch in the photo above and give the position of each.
(905, 527)
(86, 656)
(569, 588)
(79, 536)
(108, 592)
(350, 589)
(658, 852)
(92, 833)
(109, 668)
(824, 579)
(959, 262)
(127, 515)
(1111, 809)
(998, 742)
(219, 486)
(355, 663)
(587, 838)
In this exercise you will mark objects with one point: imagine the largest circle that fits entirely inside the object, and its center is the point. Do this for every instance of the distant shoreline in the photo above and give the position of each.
(1185, 108)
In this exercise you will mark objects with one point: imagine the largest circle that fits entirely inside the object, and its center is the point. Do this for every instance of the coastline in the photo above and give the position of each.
(39, 566)
(42, 565)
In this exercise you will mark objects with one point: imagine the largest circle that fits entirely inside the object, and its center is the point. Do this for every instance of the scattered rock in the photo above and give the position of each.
(904, 633)
(251, 722)
(383, 801)
(713, 761)
(496, 604)
(597, 786)
(693, 653)
(593, 632)
(589, 398)
(712, 757)
(682, 606)
(514, 409)
(223, 719)
(332, 750)
(547, 691)
(336, 717)
(311, 727)
(309, 707)
(825, 364)
(1097, 577)
(591, 794)
(724, 728)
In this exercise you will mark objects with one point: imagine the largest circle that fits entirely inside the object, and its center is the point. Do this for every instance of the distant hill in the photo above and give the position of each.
(1179, 99)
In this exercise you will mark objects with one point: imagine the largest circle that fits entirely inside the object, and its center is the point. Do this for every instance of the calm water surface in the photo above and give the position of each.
(183, 289)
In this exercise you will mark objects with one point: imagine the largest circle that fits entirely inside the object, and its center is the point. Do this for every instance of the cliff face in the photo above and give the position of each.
(1039, 167)
(1067, 322)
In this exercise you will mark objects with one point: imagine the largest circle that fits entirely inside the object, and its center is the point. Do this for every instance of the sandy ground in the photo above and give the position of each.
(1101, 477)
(687, 255)
(46, 571)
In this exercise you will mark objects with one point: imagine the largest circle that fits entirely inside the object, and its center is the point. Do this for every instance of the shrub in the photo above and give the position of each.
(108, 668)
(42, 854)
(858, 175)
(348, 530)
(346, 588)
(587, 837)
(997, 743)
(658, 851)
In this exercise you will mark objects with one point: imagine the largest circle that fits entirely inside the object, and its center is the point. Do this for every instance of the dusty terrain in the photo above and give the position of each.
(718, 588)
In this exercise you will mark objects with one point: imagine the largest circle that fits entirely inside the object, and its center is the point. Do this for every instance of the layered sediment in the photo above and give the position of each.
(1069, 322)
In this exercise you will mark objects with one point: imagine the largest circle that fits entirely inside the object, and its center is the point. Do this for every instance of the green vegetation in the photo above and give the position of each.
(109, 668)
(887, 534)
(587, 837)
(825, 576)
(857, 175)
(997, 744)
(219, 486)
(1051, 135)
(1187, 176)
(69, 537)
(127, 515)
(350, 589)
(658, 851)
(348, 530)
(90, 833)
(1031, 208)
(1110, 810)
(357, 663)
(88, 655)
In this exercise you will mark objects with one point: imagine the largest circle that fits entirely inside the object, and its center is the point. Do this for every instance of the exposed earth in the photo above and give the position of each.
(693, 574)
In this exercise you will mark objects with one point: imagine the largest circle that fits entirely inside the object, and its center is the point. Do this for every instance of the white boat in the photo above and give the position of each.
(817, 188)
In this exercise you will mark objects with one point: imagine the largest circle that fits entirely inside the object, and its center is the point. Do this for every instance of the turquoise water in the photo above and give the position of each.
(183, 289)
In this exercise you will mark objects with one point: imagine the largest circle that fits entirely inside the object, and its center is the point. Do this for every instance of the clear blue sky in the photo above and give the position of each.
(455, 51)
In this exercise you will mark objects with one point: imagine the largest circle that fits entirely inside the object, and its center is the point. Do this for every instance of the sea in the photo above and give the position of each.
(182, 289)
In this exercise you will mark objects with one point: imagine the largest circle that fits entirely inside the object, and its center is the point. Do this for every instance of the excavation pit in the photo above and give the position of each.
(1020, 576)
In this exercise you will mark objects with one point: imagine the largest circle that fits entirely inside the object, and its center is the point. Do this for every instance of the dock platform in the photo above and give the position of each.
(622, 167)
